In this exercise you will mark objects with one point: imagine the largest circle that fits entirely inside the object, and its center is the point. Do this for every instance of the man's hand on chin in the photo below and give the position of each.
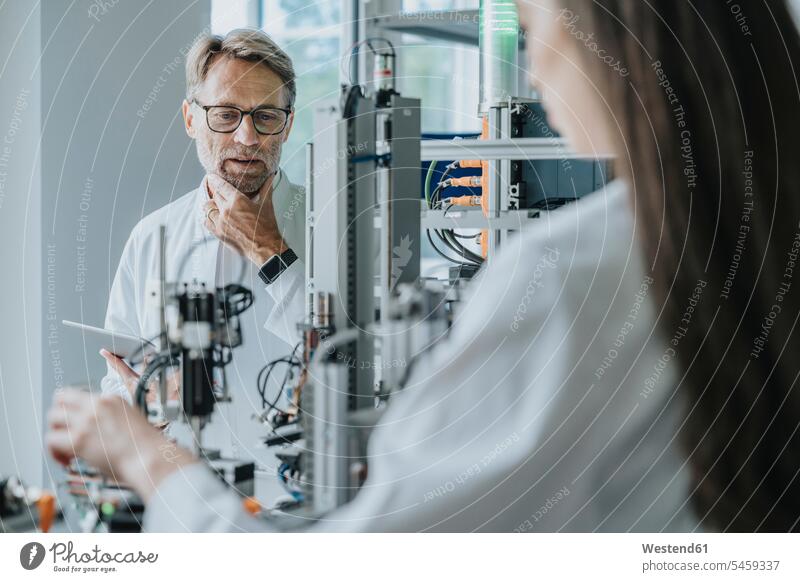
(114, 437)
(249, 227)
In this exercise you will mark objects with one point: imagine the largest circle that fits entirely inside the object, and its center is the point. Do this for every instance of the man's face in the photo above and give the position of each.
(244, 157)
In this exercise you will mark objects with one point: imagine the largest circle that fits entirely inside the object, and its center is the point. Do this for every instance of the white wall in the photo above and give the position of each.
(104, 109)
(20, 240)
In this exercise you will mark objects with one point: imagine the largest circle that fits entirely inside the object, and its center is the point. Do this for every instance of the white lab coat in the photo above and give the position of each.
(539, 413)
(269, 327)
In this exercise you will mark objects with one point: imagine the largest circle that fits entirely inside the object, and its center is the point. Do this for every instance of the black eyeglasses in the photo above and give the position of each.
(227, 118)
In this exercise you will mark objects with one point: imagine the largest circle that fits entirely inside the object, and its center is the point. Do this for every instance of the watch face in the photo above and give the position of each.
(271, 268)
(276, 265)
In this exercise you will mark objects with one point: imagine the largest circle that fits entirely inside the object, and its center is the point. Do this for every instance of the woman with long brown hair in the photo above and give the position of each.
(705, 125)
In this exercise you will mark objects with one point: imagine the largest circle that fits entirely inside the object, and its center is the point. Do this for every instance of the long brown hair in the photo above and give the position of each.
(705, 101)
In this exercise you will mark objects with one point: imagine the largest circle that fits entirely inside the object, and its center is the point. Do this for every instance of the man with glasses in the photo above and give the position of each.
(244, 220)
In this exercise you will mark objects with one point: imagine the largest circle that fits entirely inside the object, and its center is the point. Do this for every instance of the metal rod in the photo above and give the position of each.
(527, 148)
(162, 275)
(309, 257)
(496, 180)
(195, 424)
(384, 199)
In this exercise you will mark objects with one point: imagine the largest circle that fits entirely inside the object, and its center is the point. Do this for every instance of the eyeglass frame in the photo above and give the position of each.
(244, 113)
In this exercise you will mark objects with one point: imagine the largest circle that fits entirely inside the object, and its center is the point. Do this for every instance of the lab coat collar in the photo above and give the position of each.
(613, 194)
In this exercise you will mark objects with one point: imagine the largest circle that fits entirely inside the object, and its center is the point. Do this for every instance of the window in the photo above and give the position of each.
(444, 76)
(309, 33)
(227, 15)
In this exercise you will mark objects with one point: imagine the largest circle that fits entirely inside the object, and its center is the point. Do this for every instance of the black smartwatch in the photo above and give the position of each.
(276, 265)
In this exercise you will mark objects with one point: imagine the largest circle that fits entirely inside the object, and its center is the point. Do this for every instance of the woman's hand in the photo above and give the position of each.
(112, 436)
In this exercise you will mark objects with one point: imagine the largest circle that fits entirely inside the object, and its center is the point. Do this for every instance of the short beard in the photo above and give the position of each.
(245, 183)
(248, 184)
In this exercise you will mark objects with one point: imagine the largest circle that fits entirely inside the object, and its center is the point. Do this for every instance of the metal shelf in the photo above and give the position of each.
(450, 25)
(529, 148)
(474, 218)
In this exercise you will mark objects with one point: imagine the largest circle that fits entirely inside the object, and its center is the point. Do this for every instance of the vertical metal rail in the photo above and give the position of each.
(162, 300)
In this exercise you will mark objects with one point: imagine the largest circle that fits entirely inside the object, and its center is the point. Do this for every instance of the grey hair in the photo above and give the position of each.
(251, 45)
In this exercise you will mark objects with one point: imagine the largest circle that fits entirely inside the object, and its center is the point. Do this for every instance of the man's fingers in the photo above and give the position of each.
(218, 188)
(208, 206)
(214, 227)
(216, 185)
(151, 396)
(119, 365)
(224, 193)
(221, 190)
(211, 213)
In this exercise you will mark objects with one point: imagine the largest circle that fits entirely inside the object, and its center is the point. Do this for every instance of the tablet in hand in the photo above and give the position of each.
(120, 344)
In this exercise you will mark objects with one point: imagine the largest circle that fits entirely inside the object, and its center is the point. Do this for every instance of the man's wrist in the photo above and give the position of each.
(275, 266)
(265, 251)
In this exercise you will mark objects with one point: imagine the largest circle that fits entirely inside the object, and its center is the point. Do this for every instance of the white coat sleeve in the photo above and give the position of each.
(445, 453)
(193, 499)
(121, 314)
(288, 294)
